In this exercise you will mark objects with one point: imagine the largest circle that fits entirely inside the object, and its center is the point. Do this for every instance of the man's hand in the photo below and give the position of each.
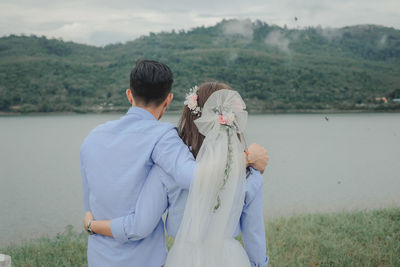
(257, 157)
(88, 216)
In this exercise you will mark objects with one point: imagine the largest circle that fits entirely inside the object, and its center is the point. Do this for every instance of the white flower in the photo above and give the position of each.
(191, 100)
(197, 110)
(230, 117)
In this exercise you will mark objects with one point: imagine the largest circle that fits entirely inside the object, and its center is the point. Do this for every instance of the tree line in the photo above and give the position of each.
(273, 68)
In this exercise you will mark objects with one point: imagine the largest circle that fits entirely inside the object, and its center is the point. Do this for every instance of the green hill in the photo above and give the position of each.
(274, 68)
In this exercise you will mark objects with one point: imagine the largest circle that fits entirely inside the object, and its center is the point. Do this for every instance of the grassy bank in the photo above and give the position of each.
(365, 238)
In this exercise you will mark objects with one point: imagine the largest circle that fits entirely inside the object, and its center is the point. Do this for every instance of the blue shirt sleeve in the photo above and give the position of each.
(150, 206)
(174, 157)
(252, 221)
(85, 187)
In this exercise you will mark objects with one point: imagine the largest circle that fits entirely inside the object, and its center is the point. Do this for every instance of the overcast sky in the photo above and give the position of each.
(104, 21)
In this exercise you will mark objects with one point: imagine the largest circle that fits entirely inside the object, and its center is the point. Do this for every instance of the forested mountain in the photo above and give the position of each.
(274, 68)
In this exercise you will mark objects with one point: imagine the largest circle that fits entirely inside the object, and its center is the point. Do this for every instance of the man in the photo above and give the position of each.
(117, 156)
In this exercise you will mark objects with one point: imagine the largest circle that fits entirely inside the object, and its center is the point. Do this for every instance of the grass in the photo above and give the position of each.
(66, 249)
(341, 239)
(361, 238)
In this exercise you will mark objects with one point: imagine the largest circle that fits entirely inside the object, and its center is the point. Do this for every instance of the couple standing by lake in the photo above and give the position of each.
(136, 168)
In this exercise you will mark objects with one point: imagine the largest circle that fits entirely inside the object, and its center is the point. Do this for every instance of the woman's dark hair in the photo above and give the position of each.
(150, 82)
(186, 128)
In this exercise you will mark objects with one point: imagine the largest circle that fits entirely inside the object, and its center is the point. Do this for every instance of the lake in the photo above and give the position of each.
(317, 164)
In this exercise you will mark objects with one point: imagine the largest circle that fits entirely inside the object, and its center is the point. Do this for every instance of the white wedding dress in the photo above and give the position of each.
(216, 196)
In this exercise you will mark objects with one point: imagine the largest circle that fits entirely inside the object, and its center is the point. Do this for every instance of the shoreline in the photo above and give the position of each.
(178, 112)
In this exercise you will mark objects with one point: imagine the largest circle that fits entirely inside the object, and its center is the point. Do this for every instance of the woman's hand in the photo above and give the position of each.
(88, 216)
(257, 157)
(98, 227)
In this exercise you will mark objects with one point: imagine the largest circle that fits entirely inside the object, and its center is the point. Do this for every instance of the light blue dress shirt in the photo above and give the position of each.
(161, 192)
(116, 158)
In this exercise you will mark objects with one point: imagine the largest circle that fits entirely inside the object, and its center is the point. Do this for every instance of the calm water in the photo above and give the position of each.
(349, 162)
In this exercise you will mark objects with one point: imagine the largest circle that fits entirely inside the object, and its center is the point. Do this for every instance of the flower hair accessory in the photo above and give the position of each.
(226, 118)
(191, 100)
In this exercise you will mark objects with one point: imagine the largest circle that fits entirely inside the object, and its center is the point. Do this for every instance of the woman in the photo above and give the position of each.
(221, 202)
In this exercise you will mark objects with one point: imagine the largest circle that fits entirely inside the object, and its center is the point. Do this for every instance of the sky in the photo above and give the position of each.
(103, 22)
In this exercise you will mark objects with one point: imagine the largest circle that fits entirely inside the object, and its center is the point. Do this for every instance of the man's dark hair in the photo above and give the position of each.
(151, 82)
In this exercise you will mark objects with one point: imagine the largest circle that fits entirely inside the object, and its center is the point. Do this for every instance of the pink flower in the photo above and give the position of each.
(222, 119)
(226, 118)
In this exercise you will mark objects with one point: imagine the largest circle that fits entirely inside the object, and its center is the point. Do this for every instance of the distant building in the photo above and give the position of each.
(396, 99)
(383, 99)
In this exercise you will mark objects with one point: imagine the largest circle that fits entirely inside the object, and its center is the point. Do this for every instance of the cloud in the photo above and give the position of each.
(382, 41)
(102, 21)
(278, 40)
(330, 33)
(105, 37)
(231, 58)
(243, 28)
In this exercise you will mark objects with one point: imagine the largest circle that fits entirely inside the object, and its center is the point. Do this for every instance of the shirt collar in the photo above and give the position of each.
(140, 112)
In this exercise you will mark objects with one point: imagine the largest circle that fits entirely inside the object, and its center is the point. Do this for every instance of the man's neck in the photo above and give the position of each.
(156, 112)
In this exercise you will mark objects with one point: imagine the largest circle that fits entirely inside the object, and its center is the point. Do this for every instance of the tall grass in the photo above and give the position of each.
(66, 249)
(340, 239)
(362, 238)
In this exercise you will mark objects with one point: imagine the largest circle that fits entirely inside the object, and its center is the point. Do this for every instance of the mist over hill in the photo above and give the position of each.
(274, 68)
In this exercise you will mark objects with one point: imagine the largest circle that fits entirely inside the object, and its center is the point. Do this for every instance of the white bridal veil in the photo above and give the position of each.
(216, 196)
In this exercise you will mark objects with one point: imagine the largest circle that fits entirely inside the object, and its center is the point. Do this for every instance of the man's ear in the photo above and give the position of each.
(165, 104)
(129, 96)
(169, 99)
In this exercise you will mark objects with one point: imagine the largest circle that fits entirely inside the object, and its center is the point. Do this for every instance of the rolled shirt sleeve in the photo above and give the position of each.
(175, 158)
(117, 226)
(150, 206)
(252, 222)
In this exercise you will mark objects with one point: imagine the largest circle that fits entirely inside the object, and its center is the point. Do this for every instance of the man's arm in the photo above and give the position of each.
(252, 222)
(150, 206)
